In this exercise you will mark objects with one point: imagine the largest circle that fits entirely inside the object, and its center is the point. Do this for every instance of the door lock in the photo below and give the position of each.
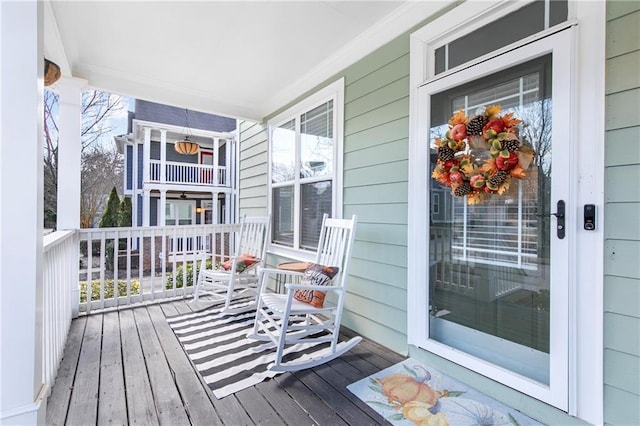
(559, 214)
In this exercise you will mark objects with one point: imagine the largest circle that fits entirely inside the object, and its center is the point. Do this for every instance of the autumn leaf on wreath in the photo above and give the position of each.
(489, 167)
(504, 187)
(475, 198)
(492, 110)
(510, 120)
(518, 172)
(458, 118)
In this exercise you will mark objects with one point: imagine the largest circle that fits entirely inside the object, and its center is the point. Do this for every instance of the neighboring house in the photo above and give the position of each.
(546, 319)
(170, 188)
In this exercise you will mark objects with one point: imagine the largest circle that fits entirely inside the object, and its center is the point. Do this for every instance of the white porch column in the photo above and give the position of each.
(69, 152)
(146, 156)
(146, 206)
(22, 394)
(216, 161)
(162, 208)
(163, 156)
(215, 208)
(227, 208)
(135, 191)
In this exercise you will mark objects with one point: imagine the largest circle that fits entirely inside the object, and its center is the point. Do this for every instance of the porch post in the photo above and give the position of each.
(135, 189)
(69, 152)
(146, 156)
(163, 155)
(216, 161)
(162, 208)
(215, 208)
(146, 206)
(22, 392)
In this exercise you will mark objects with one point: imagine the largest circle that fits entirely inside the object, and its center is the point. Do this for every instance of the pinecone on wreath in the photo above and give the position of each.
(463, 189)
(475, 125)
(511, 145)
(445, 153)
(499, 177)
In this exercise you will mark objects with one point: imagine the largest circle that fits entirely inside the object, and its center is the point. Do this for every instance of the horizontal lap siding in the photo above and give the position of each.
(375, 188)
(622, 210)
(253, 169)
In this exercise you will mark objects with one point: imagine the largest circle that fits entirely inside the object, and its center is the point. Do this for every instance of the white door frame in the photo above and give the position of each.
(585, 291)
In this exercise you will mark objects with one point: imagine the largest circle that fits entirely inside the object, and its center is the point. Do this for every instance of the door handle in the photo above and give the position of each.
(559, 214)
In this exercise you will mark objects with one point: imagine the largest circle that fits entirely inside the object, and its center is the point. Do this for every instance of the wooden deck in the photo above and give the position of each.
(127, 367)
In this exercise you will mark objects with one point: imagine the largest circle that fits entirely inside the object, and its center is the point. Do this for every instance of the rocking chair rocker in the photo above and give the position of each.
(298, 319)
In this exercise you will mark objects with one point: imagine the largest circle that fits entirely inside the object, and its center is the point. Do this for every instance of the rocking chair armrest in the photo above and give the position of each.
(313, 287)
(270, 271)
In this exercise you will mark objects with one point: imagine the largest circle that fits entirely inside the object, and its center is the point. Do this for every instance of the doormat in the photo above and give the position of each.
(411, 393)
(227, 360)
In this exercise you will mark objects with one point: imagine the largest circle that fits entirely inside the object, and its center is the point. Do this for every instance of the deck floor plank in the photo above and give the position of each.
(140, 403)
(339, 383)
(112, 404)
(288, 409)
(83, 408)
(309, 401)
(58, 403)
(168, 402)
(260, 411)
(196, 397)
(336, 400)
(144, 368)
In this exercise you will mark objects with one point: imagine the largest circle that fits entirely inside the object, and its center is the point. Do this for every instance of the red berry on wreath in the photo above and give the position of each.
(506, 160)
(458, 132)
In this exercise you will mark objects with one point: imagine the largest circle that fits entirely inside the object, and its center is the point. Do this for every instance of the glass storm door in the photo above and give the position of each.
(498, 270)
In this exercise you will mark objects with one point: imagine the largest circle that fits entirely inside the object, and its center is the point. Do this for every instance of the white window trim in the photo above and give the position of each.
(586, 376)
(335, 92)
(191, 203)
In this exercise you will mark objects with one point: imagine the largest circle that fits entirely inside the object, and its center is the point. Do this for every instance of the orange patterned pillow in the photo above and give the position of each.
(315, 275)
(244, 261)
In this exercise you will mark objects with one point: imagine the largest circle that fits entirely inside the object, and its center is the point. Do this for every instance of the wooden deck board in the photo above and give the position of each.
(288, 409)
(58, 403)
(140, 403)
(128, 367)
(194, 395)
(83, 408)
(169, 404)
(112, 404)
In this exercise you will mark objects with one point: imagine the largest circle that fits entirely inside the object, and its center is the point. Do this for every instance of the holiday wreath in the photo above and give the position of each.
(478, 157)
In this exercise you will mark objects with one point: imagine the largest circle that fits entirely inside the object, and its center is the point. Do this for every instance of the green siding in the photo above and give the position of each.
(622, 210)
(252, 194)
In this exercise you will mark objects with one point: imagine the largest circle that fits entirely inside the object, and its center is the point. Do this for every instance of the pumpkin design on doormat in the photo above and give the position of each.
(411, 393)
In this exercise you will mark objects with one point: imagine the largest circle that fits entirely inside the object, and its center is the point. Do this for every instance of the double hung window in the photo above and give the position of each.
(305, 146)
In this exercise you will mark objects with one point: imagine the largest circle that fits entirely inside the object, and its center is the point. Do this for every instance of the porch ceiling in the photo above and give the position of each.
(241, 59)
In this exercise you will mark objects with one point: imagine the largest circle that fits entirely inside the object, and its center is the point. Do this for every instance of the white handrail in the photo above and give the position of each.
(122, 266)
(60, 269)
(185, 173)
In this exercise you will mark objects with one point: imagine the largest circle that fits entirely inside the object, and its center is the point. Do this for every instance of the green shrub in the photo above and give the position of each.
(179, 274)
(108, 289)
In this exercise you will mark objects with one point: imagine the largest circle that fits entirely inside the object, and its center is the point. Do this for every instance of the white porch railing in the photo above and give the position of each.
(60, 268)
(122, 266)
(190, 174)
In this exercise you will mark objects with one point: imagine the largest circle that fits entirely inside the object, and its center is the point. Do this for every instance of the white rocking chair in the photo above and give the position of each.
(286, 321)
(238, 275)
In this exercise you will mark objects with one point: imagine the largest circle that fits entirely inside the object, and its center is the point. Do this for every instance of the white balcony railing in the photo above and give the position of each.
(122, 266)
(190, 174)
(60, 269)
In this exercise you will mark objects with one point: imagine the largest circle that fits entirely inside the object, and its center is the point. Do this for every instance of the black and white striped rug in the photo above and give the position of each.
(228, 361)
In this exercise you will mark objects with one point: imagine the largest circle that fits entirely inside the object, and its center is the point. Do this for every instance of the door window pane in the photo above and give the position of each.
(490, 263)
